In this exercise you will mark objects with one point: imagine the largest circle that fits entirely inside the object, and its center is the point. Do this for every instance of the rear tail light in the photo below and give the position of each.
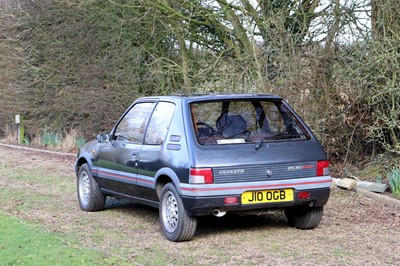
(201, 176)
(323, 168)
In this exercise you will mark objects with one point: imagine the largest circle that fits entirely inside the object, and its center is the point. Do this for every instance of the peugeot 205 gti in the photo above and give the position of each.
(194, 155)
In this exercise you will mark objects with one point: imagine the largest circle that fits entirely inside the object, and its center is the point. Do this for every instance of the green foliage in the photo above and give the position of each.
(51, 140)
(26, 141)
(394, 180)
(80, 141)
(22, 243)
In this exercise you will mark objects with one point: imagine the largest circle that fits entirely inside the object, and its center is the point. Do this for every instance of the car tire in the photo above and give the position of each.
(176, 224)
(89, 194)
(304, 217)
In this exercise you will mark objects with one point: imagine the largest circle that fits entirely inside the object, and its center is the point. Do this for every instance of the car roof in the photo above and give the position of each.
(211, 97)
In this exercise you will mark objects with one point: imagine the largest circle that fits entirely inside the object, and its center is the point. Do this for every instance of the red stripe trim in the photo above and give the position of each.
(117, 175)
(127, 177)
(145, 181)
(256, 187)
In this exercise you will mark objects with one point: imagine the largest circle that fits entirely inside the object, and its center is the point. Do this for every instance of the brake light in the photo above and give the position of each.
(201, 176)
(323, 168)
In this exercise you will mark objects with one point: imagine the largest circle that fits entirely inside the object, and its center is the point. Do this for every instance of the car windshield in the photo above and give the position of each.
(244, 121)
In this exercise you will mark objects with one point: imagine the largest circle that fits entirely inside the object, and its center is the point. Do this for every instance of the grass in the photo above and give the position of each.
(39, 200)
(22, 243)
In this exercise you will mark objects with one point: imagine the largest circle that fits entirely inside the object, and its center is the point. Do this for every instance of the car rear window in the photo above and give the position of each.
(244, 121)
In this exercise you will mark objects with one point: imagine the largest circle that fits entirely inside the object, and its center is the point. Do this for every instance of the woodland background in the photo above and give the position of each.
(78, 64)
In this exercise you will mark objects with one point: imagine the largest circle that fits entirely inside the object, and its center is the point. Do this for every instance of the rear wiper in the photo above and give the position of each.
(273, 136)
(259, 144)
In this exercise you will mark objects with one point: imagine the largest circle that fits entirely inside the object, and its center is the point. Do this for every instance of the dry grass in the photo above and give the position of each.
(10, 135)
(69, 141)
(36, 141)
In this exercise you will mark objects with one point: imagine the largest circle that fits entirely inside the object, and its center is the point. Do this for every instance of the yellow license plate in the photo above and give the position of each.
(267, 196)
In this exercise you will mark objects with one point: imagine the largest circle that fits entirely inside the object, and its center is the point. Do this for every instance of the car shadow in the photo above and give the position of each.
(129, 206)
(231, 222)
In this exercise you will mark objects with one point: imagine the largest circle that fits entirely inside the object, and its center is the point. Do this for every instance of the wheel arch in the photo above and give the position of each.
(164, 176)
(81, 161)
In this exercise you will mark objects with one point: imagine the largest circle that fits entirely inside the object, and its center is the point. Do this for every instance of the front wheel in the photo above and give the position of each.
(176, 224)
(89, 194)
(304, 217)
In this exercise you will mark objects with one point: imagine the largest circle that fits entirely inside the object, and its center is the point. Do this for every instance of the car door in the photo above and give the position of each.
(152, 155)
(118, 159)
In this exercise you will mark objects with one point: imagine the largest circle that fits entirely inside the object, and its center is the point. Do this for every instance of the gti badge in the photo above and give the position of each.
(268, 173)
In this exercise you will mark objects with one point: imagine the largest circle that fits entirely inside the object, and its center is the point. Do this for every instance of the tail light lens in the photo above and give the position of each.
(323, 168)
(201, 176)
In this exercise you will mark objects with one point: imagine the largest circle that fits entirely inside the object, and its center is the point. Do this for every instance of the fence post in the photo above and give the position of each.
(21, 130)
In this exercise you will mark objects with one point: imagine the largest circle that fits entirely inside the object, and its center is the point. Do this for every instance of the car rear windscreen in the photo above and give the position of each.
(244, 121)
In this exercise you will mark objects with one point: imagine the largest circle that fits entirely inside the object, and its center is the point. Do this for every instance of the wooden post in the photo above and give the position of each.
(21, 129)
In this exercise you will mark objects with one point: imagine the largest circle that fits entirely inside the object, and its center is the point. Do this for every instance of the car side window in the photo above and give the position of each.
(159, 123)
(133, 125)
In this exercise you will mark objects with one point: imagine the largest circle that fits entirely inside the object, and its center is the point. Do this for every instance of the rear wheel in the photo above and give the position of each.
(89, 194)
(176, 224)
(304, 217)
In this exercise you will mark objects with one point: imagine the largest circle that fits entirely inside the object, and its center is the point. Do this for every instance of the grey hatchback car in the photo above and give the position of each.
(195, 155)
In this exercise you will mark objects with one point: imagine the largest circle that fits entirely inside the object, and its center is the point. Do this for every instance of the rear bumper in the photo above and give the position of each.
(203, 205)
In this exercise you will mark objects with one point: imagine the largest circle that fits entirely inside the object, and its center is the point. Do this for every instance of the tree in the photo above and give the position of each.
(385, 18)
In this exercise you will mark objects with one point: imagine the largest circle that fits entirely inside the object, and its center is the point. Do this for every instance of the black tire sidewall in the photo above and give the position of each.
(304, 217)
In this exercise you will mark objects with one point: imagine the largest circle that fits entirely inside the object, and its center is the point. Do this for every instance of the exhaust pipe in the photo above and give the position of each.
(218, 213)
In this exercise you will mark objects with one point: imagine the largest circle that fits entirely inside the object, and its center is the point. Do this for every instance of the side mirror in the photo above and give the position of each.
(103, 138)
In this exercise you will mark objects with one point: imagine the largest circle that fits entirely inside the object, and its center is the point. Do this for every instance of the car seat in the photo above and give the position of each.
(230, 125)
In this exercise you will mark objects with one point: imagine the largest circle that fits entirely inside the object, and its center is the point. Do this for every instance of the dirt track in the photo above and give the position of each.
(41, 187)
